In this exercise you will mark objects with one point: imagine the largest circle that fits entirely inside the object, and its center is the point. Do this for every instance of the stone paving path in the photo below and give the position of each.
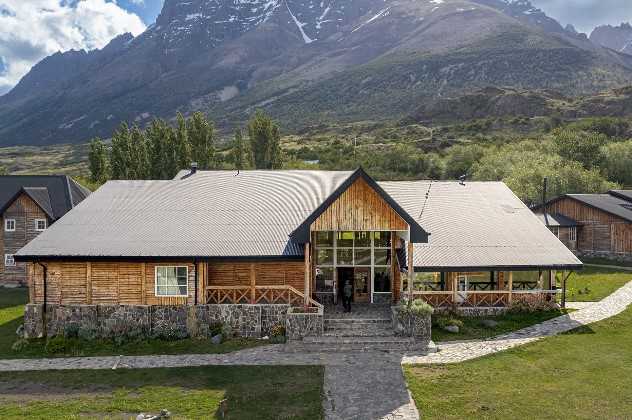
(367, 385)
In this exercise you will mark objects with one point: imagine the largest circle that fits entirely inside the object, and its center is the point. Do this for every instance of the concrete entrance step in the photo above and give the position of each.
(356, 321)
(337, 344)
(359, 332)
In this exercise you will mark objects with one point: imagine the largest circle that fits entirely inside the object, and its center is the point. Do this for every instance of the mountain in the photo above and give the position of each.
(305, 62)
(618, 38)
(509, 102)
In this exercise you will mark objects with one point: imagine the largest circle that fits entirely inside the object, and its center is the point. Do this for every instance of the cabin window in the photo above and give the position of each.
(324, 279)
(572, 233)
(9, 225)
(40, 225)
(9, 261)
(172, 281)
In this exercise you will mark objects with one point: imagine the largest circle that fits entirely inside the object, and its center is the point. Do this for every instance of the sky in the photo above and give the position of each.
(33, 29)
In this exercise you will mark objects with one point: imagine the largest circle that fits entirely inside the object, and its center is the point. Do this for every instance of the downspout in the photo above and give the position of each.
(195, 299)
(44, 278)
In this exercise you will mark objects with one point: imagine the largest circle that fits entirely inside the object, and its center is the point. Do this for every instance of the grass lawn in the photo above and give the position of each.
(11, 315)
(253, 392)
(593, 283)
(474, 329)
(606, 261)
(583, 374)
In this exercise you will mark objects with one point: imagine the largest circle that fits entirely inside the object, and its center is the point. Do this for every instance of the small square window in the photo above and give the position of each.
(171, 281)
(9, 225)
(40, 224)
(9, 261)
(572, 234)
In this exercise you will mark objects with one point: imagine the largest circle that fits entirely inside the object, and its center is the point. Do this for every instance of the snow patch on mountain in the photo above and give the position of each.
(299, 25)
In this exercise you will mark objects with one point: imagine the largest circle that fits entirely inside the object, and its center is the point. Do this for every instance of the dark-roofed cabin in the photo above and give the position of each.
(28, 205)
(592, 224)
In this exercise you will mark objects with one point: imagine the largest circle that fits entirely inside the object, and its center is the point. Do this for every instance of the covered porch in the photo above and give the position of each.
(487, 289)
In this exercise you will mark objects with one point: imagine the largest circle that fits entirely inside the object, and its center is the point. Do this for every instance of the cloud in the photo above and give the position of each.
(31, 30)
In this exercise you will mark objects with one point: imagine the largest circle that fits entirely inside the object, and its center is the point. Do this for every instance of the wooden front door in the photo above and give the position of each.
(362, 284)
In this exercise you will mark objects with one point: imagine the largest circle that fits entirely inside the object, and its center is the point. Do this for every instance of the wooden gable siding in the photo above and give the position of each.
(25, 211)
(275, 273)
(104, 283)
(599, 231)
(360, 207)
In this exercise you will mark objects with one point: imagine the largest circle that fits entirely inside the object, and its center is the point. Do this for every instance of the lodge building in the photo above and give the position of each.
(295, 237)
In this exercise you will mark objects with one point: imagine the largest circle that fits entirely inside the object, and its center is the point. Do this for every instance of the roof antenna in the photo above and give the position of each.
(462, 179)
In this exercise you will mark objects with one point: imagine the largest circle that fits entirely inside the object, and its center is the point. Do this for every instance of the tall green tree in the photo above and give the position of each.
(98, 162)
(120, 155)
(461, 158)
(140, 167)
(265, 139)
(182, 145)
(200, 133)
(580, 146)
(617, 162)
(239, 150)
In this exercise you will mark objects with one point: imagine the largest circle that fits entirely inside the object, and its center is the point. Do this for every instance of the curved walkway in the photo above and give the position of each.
(357, 385)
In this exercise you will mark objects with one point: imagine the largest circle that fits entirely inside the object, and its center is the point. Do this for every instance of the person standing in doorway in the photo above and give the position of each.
(347, 293)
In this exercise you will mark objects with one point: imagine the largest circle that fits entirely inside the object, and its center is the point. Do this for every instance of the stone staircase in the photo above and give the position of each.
(343, 333)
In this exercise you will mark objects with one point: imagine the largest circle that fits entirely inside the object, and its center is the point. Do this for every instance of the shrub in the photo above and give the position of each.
(71, 330)
(227, 331)
(215, 328)
(57, 345)
(277, 330)
(447, 321)
(20, 345)
(416, 307)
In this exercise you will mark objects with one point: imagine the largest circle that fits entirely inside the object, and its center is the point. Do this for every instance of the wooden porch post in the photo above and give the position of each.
(394, 290)
(89, 283)
(253, 281)
(307, 273)
(411, 270)
(510, 286)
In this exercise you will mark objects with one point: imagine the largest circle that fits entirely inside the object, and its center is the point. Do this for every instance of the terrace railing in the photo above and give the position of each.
(271, 294)
(482, 298)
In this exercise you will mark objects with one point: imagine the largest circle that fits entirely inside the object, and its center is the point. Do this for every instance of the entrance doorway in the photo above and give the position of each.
(360, 278)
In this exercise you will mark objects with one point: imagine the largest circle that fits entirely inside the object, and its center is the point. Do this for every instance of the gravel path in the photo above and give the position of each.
(365, 385)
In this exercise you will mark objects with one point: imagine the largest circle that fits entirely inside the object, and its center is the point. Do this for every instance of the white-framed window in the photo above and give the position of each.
(172, 280)
(9, 261)
(9, 225)
(40, 225)
(572, 233)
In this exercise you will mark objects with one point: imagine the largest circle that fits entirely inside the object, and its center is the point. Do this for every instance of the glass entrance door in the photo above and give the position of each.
(362, 284)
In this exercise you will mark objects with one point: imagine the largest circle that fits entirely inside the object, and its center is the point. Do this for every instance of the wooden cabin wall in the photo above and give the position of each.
(25, 211)
(273, 273)
(359, 208)
(104, 283)
(598, 231)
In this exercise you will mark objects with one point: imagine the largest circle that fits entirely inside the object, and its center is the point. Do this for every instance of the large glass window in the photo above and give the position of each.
(324, 256)
(171, 281)
(344, 256)
(324, 239)
(424, 282)
(382, 279)
(324, 279)
(382, 239)
(345, 239)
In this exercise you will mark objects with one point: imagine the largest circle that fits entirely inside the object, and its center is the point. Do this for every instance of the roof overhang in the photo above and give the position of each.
(35, 199)
(153, 258)
(301, 234)
(569, 267)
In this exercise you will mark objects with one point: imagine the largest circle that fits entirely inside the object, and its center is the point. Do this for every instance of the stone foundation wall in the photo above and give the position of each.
(418, 327)
(299, 325)
(382, 298)
(167, 322)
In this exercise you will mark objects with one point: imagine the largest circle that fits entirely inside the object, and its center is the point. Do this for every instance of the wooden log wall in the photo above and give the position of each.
(359, 208)
(25, 212)
(104, 283)
(272, 273)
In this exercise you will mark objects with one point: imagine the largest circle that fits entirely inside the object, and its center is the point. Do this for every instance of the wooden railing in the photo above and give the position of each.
(272, 294)
(479, 299)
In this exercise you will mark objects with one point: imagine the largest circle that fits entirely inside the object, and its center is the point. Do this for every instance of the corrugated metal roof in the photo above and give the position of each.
(608, 203)
(478, 224)
(556, 219)
(214, 213)
(221, 214)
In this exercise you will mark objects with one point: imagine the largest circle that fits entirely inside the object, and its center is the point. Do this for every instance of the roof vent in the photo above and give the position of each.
(194, 167)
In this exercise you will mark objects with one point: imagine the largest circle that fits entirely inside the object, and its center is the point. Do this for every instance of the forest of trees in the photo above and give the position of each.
(159, 151)
(591, 155)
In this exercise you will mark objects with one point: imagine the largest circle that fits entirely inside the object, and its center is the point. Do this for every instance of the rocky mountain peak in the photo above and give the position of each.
(618, 38)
